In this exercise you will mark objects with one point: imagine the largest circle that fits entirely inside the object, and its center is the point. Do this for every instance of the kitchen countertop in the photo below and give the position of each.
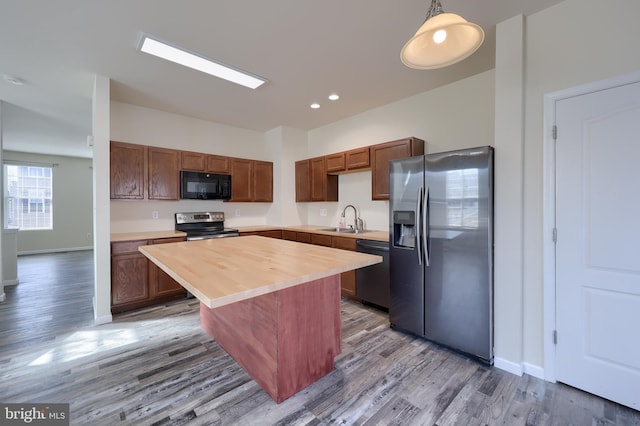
(150, 235)
(316, 229)
(227, 270)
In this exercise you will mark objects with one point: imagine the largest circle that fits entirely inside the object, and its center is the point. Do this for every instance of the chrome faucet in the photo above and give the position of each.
(357, 222)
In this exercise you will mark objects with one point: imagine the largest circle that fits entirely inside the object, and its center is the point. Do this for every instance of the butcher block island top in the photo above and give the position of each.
(273, 305)
(226, 270)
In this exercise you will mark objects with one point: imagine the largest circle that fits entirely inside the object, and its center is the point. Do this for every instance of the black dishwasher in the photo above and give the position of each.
(372, 282)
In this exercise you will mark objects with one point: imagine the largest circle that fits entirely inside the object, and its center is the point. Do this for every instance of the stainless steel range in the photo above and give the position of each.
(203, 225)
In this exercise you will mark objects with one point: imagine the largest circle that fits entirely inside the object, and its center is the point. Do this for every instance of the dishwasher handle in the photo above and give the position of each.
(372, 246)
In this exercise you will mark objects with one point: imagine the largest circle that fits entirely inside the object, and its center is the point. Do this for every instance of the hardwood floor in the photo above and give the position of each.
(157, 366)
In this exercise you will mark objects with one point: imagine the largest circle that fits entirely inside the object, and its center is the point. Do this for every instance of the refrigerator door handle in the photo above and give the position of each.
(418, 228)
(425, 224)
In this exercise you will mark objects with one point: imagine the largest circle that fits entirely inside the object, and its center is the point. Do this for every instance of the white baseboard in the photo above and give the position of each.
(519, 369)
(10, 282)
(533, 370)
(55, 250)
(511, 367)
(105, 319)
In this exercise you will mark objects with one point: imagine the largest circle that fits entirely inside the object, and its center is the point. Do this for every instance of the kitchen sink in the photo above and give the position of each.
(344, 230)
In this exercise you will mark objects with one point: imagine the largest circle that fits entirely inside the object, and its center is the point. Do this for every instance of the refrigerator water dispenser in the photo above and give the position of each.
(404, 229)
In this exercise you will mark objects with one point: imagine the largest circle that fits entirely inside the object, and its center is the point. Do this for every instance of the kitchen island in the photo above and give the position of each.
(273, 305)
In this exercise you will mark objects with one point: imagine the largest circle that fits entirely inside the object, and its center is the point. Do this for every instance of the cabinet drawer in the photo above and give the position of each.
(344, 243)
(321, 240)
(169, 240)
(121, 247)
(303, 237)
(289, 235)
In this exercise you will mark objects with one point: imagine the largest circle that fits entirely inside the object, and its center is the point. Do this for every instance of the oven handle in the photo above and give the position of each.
(211, 237)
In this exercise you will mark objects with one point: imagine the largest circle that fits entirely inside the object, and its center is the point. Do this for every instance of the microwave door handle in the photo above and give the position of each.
(418, 227)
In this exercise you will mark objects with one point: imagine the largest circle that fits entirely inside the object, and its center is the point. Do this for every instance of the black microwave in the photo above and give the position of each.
(204, 186)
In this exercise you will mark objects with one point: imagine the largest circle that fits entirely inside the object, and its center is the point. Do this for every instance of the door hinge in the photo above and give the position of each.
(555, 337)
(555, 235)
(554, 132)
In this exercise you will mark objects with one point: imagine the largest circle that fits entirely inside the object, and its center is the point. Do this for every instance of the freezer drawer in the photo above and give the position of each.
(372, 282)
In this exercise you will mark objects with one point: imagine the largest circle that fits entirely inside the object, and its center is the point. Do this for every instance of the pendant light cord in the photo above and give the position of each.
(435, 9)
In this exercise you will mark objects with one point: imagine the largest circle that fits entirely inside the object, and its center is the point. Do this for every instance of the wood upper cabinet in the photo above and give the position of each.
(262, 181)
(241, 180)
(357, 158)
(323, 187)
(381, 155)
(251, 180)
(127, 170)
(303, 181)
(336, 162)
(164, 173)
(195, 161)
(218, 164)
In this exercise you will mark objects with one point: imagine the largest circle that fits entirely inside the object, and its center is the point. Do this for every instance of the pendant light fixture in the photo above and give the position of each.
(442, 40)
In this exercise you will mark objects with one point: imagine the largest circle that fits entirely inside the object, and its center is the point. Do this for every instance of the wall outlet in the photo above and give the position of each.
(154, 214)
(323, 212)
(237, 212)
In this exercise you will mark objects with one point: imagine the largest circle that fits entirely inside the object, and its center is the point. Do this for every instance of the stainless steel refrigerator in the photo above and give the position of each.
(441, 249)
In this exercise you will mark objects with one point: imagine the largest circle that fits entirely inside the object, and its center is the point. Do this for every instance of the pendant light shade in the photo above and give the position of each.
(442, 40)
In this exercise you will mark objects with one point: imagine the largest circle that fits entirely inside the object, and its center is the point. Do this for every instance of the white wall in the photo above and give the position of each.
(146, 126)
(2, 293)
(459, 115)
(573, 43)
(72, 201)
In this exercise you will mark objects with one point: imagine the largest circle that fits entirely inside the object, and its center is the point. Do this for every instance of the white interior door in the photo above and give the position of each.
(598, 246)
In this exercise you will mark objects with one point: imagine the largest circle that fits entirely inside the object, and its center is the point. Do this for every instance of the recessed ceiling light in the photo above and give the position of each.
(199, 63)
(334, 97)
(315, 105)
(14, 80)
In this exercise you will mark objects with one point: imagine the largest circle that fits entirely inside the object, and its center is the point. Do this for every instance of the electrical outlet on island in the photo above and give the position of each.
(237, 212)
(323, 212)
(154, 214)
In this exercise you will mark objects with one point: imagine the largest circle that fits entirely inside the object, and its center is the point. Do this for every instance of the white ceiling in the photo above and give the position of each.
(306, 49)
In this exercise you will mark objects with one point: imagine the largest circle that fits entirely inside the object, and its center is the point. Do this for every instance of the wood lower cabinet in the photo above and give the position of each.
(273, 233)
(381, 155)
(164, 173)
(127, 170)
(129, 275)
(136, 281)
(347, 279)
(289, 235)
(160, 283)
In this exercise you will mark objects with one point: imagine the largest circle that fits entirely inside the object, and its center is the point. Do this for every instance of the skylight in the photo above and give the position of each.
(199, 63)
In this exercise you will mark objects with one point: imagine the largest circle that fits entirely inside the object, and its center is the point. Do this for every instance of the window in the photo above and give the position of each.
(28, 197)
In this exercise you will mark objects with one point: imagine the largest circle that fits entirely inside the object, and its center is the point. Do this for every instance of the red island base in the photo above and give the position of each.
(285, 340)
